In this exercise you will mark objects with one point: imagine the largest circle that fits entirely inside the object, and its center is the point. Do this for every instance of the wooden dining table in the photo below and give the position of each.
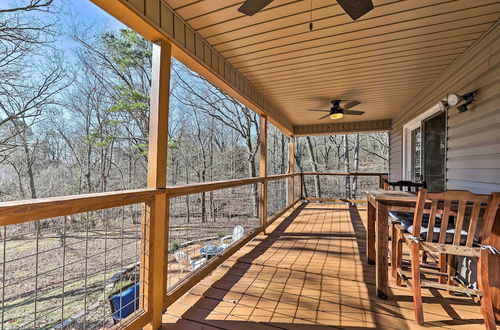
(380, 202)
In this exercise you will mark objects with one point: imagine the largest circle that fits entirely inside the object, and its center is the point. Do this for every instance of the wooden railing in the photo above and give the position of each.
(18, 212)
(323, 186)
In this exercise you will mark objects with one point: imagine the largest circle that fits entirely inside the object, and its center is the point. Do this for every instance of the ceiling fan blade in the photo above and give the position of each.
(323, 117)
(356, 8)
(353, 112)
(318, 110)
(351, 104)
(251, 7)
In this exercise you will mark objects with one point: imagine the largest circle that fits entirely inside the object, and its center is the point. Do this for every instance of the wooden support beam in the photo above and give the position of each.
(263, 171)
(291, 169)
(301, 189)
(156, 219)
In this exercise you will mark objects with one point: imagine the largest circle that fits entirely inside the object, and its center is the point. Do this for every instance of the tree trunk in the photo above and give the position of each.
(346, 165)
(314, 166)
(356, 167)
(252, 168)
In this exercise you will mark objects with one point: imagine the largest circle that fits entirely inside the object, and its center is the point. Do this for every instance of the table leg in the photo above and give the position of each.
(382, 236)
(370, 234)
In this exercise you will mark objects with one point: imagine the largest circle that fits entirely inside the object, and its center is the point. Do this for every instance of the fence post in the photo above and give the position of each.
(263, 173)
(301, 185)
(382, 178)
(154, 291)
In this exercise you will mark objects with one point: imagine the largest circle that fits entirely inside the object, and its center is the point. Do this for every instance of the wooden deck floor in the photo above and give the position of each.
(310, 272)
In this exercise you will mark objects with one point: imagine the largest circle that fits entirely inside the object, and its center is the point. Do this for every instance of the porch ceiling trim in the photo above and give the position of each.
(343, 128)
(153, 19)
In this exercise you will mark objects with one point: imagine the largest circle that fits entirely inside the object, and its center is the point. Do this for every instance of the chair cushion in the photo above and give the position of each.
(396, 216)
(125, 302)
(450, 230)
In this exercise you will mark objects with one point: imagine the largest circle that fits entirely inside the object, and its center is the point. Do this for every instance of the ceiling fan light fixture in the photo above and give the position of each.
(336, 115)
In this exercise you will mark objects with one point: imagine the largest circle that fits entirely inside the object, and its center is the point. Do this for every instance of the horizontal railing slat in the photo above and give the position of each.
(37, 209)
(196, 188)
(43, 208)
(343, 174)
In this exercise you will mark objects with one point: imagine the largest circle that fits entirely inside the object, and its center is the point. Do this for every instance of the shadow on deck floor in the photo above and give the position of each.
(309, 272)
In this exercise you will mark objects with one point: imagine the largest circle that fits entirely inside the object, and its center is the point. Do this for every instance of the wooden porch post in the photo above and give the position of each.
(157, 179)
(291, 167)
(263, 172)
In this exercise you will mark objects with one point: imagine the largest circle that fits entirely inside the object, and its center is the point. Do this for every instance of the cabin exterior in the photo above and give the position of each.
(401, 62)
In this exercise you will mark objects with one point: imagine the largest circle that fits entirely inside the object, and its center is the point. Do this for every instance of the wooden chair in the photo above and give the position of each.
(468, 237)
(238, 233)
(396, 217)
(404, 186)
(186, 263)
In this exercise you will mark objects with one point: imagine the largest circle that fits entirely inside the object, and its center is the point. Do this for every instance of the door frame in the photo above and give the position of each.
(407, 129)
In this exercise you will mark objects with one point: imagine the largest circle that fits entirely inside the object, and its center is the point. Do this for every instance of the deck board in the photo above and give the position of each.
(310, 272)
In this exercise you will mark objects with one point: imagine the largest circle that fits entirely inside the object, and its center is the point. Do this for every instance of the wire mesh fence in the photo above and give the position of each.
(339, 186)
(203, 225)
(297, 182)
(277, 195)
(63, 272)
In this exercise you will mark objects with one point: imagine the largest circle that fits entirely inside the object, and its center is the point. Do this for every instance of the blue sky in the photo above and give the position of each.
(85, 9)
(84, 14)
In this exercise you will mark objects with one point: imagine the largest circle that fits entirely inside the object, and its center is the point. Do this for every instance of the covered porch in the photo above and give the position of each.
(300, 264)
(310, 271)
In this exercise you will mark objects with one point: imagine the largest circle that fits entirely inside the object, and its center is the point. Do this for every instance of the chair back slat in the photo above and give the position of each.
(419, 212)
(465, 208)
(445, 219)
(432, 220)
(474, 218)
(459, 223)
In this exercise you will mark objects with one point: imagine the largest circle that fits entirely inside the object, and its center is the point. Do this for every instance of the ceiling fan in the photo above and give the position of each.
(354, 8)
(338, 112)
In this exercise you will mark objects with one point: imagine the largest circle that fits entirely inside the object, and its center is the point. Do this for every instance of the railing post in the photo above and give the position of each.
(156, 266)
(301, 185)
(382, 178)
(291, 169)
(263, 172)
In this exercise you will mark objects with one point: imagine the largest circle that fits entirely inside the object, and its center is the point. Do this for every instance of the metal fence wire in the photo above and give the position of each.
(203, 225)
(277, 195)
(60, 272)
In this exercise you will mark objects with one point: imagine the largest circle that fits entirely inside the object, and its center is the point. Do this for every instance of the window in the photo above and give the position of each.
(416, 155)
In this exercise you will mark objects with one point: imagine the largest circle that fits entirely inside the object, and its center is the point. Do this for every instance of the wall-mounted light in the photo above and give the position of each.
(455, 99)
(443, 105)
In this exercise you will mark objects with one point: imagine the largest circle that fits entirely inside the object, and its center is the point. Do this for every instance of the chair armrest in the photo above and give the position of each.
(457, 250)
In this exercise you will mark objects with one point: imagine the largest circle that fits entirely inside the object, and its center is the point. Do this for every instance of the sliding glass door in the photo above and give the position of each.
(434, 152)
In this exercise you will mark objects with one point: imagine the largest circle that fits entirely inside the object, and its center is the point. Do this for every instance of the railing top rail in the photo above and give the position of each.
(279, 176)
(344, 173)
(43, 208)
(196, 188)
(30, 210)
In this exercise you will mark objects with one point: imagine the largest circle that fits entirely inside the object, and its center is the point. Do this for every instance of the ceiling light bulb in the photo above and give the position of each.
(337, 115)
